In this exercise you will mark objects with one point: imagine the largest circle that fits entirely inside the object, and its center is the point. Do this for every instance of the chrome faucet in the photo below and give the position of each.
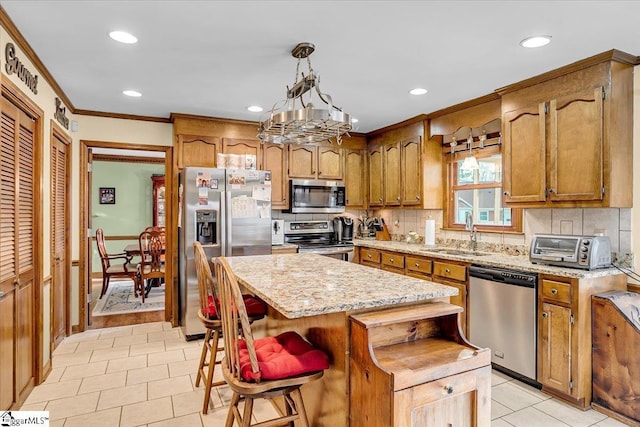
(473, 230)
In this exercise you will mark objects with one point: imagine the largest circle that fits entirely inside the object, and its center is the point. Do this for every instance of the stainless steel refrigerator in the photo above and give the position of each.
(229, 212)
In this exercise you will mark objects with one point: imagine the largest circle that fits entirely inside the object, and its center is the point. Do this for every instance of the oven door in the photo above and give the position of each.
(317, 196)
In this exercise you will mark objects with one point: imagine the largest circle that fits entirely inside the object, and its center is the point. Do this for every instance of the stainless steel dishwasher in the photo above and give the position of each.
(502, 312)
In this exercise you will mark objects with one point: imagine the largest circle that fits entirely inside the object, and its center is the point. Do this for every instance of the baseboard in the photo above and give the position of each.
(616, 416)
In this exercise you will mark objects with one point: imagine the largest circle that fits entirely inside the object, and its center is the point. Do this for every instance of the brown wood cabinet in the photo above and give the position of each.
(411, 366)
(578, 128)
(404, 170)
(244, 147)
(376, 178)
(355, 178)
(196, 151)
(274, 159)
(158, 191)
(454, 274)
(564, 334)
(315, 162)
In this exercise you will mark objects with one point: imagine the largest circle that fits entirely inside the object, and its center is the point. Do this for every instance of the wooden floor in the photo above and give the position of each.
(99, 322)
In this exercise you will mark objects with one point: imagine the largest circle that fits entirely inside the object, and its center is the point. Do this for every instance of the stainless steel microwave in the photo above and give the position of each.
(316, 196)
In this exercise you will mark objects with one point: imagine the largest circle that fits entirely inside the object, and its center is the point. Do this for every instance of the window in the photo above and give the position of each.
(479, 192)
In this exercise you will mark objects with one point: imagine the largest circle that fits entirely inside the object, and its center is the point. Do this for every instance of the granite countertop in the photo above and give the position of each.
(487, 259)
(300, 285)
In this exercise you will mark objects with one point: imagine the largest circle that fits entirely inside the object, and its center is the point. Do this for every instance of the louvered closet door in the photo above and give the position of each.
(17, 366)
(59, 215)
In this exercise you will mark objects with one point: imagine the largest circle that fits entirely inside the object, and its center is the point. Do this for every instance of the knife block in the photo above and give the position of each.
(384, 234)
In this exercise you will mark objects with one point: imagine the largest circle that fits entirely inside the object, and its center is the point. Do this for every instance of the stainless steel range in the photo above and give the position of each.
(318, 237)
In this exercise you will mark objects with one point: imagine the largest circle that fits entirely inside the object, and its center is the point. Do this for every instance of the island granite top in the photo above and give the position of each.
(300, 285)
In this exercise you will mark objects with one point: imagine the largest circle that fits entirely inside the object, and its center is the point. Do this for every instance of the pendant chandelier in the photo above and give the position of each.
(296, 120)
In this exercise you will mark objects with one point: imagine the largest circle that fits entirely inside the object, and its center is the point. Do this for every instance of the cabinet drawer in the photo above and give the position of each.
(369, 255)
(418, 264)
(557, 291)
(393, 260)
(450, 271)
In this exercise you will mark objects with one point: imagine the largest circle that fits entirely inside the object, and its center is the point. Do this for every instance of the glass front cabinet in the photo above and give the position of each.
(158, 200)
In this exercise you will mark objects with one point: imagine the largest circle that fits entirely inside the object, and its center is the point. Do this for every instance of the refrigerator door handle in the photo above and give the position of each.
(222, 223)
(228, 224)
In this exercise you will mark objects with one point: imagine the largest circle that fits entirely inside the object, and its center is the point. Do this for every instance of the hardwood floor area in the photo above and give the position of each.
(133, 318)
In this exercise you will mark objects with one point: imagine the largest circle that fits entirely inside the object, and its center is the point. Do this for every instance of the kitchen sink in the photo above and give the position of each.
(455, 252)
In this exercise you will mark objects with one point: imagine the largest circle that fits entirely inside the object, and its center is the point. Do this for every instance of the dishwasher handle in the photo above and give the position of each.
(501, 275)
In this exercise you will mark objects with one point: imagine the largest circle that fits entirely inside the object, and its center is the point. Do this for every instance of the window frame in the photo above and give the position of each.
(451, 168)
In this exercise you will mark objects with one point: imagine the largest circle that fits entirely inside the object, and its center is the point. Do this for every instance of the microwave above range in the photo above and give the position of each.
(317, 196)
(586, 252)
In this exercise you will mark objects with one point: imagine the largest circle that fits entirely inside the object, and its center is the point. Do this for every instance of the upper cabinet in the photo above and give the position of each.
(355, 178)
(404, 170)
(315, 162)
(197, 151)
(274, 159)
(246, 147)
(568, 139)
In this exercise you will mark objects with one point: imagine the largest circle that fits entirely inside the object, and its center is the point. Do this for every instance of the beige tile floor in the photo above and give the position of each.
(144, 375)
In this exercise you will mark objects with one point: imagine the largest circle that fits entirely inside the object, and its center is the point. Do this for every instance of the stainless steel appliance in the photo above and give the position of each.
(229, 212)
(277, 231)
(503, 317)
(317, 196)
(317, 237)
(343, 229)
(585, 252)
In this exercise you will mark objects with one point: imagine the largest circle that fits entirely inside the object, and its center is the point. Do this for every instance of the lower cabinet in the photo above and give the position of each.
(411, 367)
(457, 276)
(564, 334)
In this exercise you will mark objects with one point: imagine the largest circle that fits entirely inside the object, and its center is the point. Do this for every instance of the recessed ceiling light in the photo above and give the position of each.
(254, 108)
(536, 41)
(123, 37)
(133, 93)
(418, 91)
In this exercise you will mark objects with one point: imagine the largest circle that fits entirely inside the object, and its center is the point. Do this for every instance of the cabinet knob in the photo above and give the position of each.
(446, 270)
(16, 282)
(398, 198)
(448, 389)
(544, 314)
(417, 197)
(390, 259)
(554, 291)
(380, 199)
(506, 193)
(369, 256)
(313, 172)
(551, 190)
(417, 265)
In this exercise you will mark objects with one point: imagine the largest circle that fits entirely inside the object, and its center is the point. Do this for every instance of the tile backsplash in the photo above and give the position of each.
(612, 222)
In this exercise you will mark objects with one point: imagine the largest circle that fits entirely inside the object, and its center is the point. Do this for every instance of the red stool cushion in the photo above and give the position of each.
(283, 356)
(254, 306)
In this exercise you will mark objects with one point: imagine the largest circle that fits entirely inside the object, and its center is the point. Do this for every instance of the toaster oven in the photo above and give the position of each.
(586, 252)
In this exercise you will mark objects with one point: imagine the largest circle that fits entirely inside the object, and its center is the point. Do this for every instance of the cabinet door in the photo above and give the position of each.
(460, 300)
(7, 350)
(524, 155)
(302, 161)
(274, 159)
(158, 201)
(575, 147)
(411, 171)
(355, 178)
(243, 147)
(198, 151)
(376, 178)
(329, 163)
(554, 347)
(392, 175)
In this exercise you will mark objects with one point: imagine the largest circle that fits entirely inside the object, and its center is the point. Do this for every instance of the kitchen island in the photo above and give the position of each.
(315, 296)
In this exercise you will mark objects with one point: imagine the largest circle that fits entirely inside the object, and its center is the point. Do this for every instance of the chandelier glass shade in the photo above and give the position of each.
(296, 119)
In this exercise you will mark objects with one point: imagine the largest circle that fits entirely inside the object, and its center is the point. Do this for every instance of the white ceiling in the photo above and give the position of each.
(215, 58)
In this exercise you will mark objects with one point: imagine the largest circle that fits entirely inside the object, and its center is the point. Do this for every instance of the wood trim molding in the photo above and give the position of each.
(611, 55)
(128, 159)
(122, 116)
(412, 120)
(123, 146)
(464, 105)
(19, 39)
(181, 116)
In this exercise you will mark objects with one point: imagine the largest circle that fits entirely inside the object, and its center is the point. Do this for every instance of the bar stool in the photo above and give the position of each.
(208, 315)
(264, 368)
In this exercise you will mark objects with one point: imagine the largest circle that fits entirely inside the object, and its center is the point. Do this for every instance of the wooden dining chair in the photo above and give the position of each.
(152, 247)
(208, 315)
(114, 265)
(266, 367)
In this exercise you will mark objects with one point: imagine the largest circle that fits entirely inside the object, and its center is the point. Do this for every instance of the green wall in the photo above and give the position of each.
(133, 209)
